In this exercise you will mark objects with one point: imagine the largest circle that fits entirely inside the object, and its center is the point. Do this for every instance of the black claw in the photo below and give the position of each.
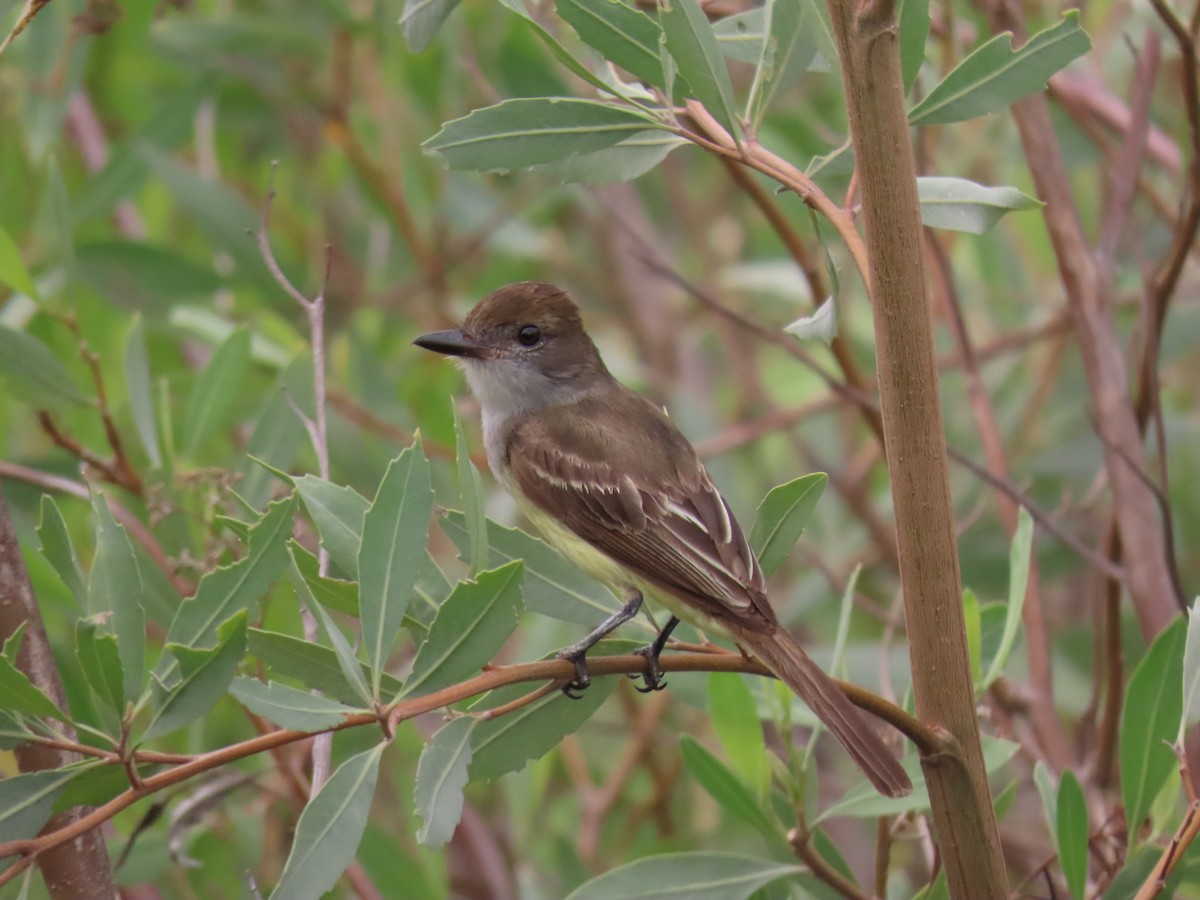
(577, 685)
(652, 679)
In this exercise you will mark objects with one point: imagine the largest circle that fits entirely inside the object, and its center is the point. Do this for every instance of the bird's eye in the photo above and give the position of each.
(529, 335)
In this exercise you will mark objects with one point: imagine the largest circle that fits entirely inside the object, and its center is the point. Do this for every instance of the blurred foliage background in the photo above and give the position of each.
(136, 149)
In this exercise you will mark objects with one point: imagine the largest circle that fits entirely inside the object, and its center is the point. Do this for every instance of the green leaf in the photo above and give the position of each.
(1019, 557)
(781, 519)
(517, 134)
(725, 787)
(222, 215)
(115, 586)
(143, 276)
(289, 707)
(553, 586)
(394, 533)
(429, 593)
(1191, 673)
(311, 664)
(332, 593)
(330, 829)
(223, 592)
(701, 875)
(974, 636)
(1044, 782)
(137, 382)
(625, 161)
(205, 674)
(735, 719)
(347, 659)
(505, 744)
(470, 488)
(863, 801)
(693, 46)
(956, 204)
(441, 777)
(100, 660)
(1149, 721)
(421, 20)
(17, 692)
(740, 36)
(1071, 832)
(33, 374)
(787, 54)
(470, 628)
(338, 512)
(913, 16)
(995, 76)
(623, 35)
(59, 550)
(27, 801)
(216, 390)
(13, 271)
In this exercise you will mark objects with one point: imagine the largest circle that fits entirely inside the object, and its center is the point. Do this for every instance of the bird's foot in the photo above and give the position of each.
(652, 678)
(577, 656)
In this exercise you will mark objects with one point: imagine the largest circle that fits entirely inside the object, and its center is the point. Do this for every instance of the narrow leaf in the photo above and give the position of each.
(734, 717)
(338, 512)
(347, 658)
(287, 706)
(1019, 558)
(205, 674)
(1044, 782)
(1071, 831)
(332, 593)
(631, 158)
(330, 829)
(956, 204)
(33, 373)
(913, 16)
(995, 76)
(27, 801)
(470, 628)
(470, 488)
(821, 326)
(623, 35)
(507, 743)
(13, 271)
(312, 665)
(59, 550)
(793, 39)
(421, 20)
(781, 519)
(395, 531)
(1149, 721)
(693, 46)
(100, 659)
(974, 628)
(724, 786)
(216, 390)
(223, 592)
(137, 382)
(17, 692)
(1191, 673)
(441, 777)
(115, 586)
(517, 134)
(696, 875)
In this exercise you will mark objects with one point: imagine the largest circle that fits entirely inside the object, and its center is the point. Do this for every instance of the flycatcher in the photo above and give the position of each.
(611, 482)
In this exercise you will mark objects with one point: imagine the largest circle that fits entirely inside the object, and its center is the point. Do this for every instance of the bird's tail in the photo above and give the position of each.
(783, 656)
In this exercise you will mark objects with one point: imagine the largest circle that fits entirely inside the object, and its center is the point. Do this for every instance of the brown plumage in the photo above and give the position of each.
(591, 456)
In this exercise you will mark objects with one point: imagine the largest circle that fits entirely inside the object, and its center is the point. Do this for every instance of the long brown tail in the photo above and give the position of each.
(783, 656)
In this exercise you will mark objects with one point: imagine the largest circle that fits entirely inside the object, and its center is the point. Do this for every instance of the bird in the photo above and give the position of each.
(612, 483)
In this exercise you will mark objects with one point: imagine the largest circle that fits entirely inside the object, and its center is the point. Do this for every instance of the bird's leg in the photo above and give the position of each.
(652, 677)
(577, 652)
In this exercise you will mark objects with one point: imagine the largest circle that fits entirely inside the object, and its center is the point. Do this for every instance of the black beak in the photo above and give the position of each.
(453, 343)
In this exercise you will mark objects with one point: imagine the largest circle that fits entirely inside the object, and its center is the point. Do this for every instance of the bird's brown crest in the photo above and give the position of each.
(524, 303)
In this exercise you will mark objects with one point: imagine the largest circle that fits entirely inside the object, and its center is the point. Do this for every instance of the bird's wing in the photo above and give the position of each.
(653, 508)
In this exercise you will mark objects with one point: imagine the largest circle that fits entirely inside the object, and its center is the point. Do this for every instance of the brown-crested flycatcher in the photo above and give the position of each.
(611, 482)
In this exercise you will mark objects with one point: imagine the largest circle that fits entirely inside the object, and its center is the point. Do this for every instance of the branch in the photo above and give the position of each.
(927, 740)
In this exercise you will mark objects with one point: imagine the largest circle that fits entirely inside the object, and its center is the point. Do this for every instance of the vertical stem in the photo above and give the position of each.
(968, 840)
